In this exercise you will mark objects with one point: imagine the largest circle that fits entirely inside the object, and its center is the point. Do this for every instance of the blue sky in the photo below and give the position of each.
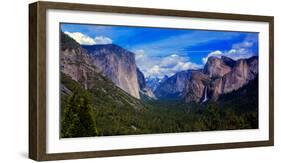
(165, 51)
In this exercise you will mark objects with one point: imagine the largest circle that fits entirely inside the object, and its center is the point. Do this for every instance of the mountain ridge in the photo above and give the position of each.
(219, 75)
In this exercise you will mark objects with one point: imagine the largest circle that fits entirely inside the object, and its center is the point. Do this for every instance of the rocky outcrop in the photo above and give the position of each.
(112, 61)
(217, 88)
(141, 79)
(228, 61)
(117, 64)
(144, 89)
(243, 71)
(216, 67)
(194, 91)
(148, 93)
(74, 61)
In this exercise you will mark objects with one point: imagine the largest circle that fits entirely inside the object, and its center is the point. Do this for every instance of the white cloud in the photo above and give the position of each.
(139, 54)
(214, 53)
(174, 55)
(154, 70)
(102, 40)
(83, 39)
(161, 66)
(238, 51)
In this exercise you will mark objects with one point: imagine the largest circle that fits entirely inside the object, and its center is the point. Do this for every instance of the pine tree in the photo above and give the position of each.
(78, 119)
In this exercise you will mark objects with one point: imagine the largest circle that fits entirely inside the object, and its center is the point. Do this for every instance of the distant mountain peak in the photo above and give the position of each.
(164, 78)
(172, 87)
(152, 82)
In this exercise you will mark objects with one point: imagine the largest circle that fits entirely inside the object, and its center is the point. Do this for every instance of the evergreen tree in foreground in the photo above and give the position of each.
(78, 117)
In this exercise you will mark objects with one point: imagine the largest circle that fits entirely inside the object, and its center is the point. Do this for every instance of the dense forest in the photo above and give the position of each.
(107, 110)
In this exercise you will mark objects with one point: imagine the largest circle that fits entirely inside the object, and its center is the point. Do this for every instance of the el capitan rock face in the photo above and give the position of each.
(117, 64)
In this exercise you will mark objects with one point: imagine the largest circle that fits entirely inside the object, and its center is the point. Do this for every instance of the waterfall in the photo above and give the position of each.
(205, 95)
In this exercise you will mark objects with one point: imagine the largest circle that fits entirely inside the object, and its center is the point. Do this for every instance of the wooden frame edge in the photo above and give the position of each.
(271, 80)
(33, 45)
(156, 150)
(37, 80)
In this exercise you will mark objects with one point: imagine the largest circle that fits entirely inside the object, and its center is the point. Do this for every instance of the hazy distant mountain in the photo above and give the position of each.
(173, 86)
(145, 91)
(154, 82)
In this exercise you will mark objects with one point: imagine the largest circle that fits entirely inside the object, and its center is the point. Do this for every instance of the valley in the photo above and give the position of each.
(105, 93)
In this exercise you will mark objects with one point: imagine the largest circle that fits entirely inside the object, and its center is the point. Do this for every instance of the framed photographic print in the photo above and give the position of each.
(112, 81)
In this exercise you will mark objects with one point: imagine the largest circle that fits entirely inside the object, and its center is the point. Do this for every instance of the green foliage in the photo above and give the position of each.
(78, 117)
(107, 110)
(244, 99)
(211, 117)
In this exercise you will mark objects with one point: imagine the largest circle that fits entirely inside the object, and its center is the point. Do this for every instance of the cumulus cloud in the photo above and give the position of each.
(87, 40)
(238, 51)
(102, 40)
(81, 38)
(217, 53)
(161, 66)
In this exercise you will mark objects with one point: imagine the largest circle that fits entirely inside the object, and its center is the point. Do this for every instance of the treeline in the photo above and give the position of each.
(105, 110)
